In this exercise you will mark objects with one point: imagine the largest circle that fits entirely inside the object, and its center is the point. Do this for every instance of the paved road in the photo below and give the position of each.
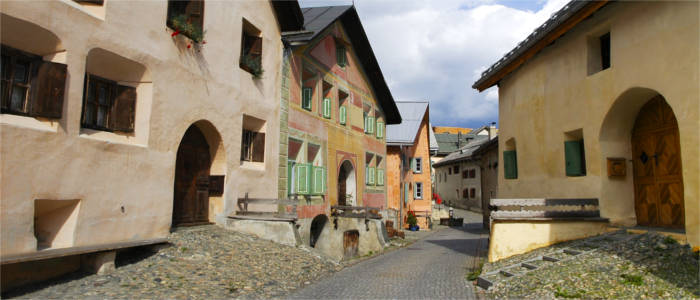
(432, 268)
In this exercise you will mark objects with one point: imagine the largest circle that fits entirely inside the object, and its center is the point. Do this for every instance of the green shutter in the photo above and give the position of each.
(366, 126)
(380, 177)
(371, 175)
(303, 179)
(343, 115)
(574, 157)
(510, 164)
(413, 164)
(290, 165)
(366, 174)
(340, 56)
(318, 179)
(380, 129)
(415, 191)
(325, 180)
(370, 123)
(306, 95)
(327, 108)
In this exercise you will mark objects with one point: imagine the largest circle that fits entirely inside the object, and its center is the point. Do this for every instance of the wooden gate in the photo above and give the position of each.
(658, 179)
(191, 196)
(351, 239)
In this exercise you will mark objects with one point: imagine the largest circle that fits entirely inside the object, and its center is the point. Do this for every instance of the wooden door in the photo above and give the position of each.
(658, 179)
(191, 199)
(351, 240)
(342, 186)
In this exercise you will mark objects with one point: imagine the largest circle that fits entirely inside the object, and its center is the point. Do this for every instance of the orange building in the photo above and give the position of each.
(409, 183)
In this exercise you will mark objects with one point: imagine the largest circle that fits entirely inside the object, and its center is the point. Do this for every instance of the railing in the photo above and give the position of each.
(549, 209)
(286, 208)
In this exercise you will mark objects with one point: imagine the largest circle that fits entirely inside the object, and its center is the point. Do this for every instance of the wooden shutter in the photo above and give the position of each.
(380, 177)
(340, 56)
(307, 93)
(123, 110)
(366, 126)
(327, 108)
(324, 180)
(573, 154)
(370, 123)
(380, 129)
(290, 180)
(48, 88)
(366, 174)
(371, 175)
(343, 115)
(413, 164)
(318, 181)
(415, 190)
(303, 179)
(510, 164)
(259, 147)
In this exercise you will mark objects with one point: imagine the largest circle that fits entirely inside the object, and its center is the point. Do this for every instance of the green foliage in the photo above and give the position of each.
(632, 279)
(562, 293)
(252, 64)
(473, 275)
(411, 218)
(193, 31)
(669, 240)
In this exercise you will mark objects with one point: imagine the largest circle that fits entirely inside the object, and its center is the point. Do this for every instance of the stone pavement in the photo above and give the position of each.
(432, 268)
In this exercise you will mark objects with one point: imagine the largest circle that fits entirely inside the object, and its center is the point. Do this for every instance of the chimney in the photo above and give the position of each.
(492, 130)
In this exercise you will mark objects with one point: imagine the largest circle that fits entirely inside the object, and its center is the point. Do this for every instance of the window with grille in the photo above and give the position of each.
(253, 146)
(418, 190)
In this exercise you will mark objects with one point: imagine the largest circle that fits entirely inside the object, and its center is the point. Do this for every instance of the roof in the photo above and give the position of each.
(448, 143)
(412, 114)
(453, 130)
(464, 153)
(558, 24)
(288, 15)
(434, 147)
(317, 19)
(493, 143)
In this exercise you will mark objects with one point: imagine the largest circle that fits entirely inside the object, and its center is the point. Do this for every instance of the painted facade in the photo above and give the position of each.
(333, 147)
(409, 181)
(570, 91)
(66, 186)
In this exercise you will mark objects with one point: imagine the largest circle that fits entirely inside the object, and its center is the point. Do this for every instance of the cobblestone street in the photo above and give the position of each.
(432, 268)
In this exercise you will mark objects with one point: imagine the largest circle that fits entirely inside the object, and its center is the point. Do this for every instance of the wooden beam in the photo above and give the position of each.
(55, 253)
(546, 40)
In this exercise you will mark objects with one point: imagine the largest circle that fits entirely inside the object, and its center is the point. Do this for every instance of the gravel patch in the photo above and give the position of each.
(644, 266)
(204, 262)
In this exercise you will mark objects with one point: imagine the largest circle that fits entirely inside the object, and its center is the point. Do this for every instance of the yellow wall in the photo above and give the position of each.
(654, 49)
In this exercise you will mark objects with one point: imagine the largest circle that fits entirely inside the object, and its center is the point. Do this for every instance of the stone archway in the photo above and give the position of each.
(317, 225)
(640, 197)
(347, 184)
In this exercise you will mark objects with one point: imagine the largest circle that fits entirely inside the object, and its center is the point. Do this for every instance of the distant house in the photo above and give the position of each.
(487, 154)
(408, 163)
(601, 102)
(458, 175)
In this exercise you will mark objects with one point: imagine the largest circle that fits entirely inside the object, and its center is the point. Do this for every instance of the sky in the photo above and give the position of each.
(435, 50)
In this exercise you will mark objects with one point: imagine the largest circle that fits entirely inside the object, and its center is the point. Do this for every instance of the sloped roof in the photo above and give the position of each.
(288, 14)
(557, 25)
(448, 143)
(464, 153)
(412, 114)
(433, 141)
(317, 19)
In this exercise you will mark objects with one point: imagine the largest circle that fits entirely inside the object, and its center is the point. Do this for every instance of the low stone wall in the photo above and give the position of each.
(282, 232)
(330, 241)
(509, 237)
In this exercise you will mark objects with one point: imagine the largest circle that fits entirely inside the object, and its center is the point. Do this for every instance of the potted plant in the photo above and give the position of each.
(183, 26)
(252, 64)
(412, 221)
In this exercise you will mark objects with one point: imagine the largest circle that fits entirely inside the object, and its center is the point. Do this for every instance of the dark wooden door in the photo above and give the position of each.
(342, 188)
(191, 199)
(351, 240)
(658, 179)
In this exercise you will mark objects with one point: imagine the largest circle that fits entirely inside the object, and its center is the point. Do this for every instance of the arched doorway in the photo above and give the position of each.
(347, 192)
(192, 166)
(656, 156)
(316, 229)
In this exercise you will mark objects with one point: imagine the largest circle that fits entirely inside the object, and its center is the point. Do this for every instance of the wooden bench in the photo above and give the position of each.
(500, 209)
(285, 213)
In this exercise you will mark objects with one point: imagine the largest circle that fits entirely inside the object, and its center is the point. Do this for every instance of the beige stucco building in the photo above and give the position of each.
(602, 102)
(137, 125)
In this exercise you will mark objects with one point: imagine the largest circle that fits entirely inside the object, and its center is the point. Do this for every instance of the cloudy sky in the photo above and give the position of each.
(435, 50)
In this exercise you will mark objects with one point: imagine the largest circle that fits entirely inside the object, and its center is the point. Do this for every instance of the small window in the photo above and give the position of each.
(306, 98)
(417, 165)
(253, 146)
(449, 170)
(327, 108)
(187, 18)
(599, 53)
(510, 164)
(31, 86)
(472, 193)
(472, 173)
(251, 50)
(418, 190)
(605, 51)
(380, 129)
(341, 55)
(456, 169)
(107, 105)
(465, 193)
(465, 174)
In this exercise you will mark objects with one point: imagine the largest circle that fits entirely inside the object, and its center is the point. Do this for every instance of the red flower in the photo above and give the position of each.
(175, 33)
(189, 45)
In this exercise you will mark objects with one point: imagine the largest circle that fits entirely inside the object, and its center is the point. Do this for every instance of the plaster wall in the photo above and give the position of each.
(330, 242)
(450, 187)
(124, 183)
(654, 50)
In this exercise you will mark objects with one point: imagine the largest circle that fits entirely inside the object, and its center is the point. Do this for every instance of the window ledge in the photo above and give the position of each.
(40, 124)
(110, 137)
(100, 8)
(256, 166)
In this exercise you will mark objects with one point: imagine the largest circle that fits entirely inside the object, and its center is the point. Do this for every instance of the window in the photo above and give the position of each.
(472, 193)
(251, 50)
(449, 170)
(307, 174)
(187, 17)
(340, 55)
(374, 170)
(418, 190)
(342, 107)
(510, 164)
(380, 129)
(369, 119)
(472, 173)
(417, 165)
(307, 98)
(253, 146)
(575, 158)
(107, 105)
(327, 108)
(456, 169)
(380, 172)
(465, 174)
(343, 115)
(465, 193)
(31, 86)
(605, 51)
